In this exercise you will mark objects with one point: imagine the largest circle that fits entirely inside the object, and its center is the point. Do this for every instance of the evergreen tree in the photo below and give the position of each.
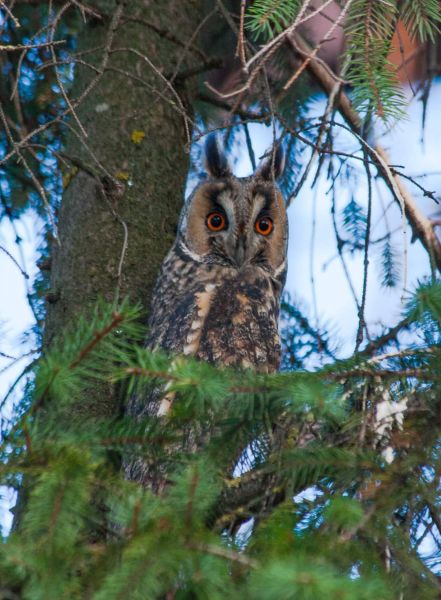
(321, 481)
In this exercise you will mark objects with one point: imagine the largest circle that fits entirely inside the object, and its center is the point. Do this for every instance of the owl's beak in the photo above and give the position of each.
(239, 253)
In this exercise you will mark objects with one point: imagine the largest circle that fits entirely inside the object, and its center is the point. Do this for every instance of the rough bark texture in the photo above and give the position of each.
(152, 172)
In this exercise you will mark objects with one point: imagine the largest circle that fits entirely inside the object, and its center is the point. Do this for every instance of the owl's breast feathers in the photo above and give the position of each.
(217, 313)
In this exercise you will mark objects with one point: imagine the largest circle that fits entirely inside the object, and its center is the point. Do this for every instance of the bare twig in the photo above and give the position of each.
(240, 48)
(9, 13)
(31, 174)
(22, 271)
(420, 224)
(166, 34)
(402, 353)
(361, 315)
(52, 30)
(13, 48)
(279, 39)
(314, 52)
(90, 87)
(224, 553)
(389, 336)
(189, 44)
(168, 84)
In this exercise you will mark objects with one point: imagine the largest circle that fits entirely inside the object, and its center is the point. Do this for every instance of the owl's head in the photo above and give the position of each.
(237, 221)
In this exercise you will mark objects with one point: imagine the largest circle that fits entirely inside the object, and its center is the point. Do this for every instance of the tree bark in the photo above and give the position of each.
(125, 187)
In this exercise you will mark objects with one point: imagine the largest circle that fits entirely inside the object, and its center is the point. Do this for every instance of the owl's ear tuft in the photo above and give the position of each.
(215, 159)
(273, 165)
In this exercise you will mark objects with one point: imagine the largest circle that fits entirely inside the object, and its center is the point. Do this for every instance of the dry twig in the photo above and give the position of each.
(421, 226)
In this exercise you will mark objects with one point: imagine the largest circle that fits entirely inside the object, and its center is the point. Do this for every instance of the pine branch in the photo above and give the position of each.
(230, 555)
(369, 31)
(421, 18)
(117, 318)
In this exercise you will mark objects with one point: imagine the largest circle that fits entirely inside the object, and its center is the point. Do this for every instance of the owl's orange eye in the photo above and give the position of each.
(264, 225)
(216, 221)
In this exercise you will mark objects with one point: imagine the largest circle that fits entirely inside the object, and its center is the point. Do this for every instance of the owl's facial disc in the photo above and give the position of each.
(237, 223)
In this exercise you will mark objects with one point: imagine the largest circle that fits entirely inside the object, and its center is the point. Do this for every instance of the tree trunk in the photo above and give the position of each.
(119, 210)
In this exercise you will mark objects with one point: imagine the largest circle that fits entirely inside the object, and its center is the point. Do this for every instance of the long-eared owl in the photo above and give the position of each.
(218, 293)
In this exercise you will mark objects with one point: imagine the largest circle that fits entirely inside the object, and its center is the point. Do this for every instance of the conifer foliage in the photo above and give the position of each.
(321, 481)
(369, 29)
(339, 507)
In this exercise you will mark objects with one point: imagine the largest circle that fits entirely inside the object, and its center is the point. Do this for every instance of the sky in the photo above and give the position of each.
(333, 300)
(15, 320)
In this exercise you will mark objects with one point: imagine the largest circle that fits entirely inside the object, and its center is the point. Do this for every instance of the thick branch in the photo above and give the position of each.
(421, 226)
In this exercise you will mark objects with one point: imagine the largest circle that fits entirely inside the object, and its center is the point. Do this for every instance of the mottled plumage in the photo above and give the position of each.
(218, 293)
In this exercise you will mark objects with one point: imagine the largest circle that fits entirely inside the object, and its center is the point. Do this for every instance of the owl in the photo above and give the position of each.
(218, 293)
(217, 296)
